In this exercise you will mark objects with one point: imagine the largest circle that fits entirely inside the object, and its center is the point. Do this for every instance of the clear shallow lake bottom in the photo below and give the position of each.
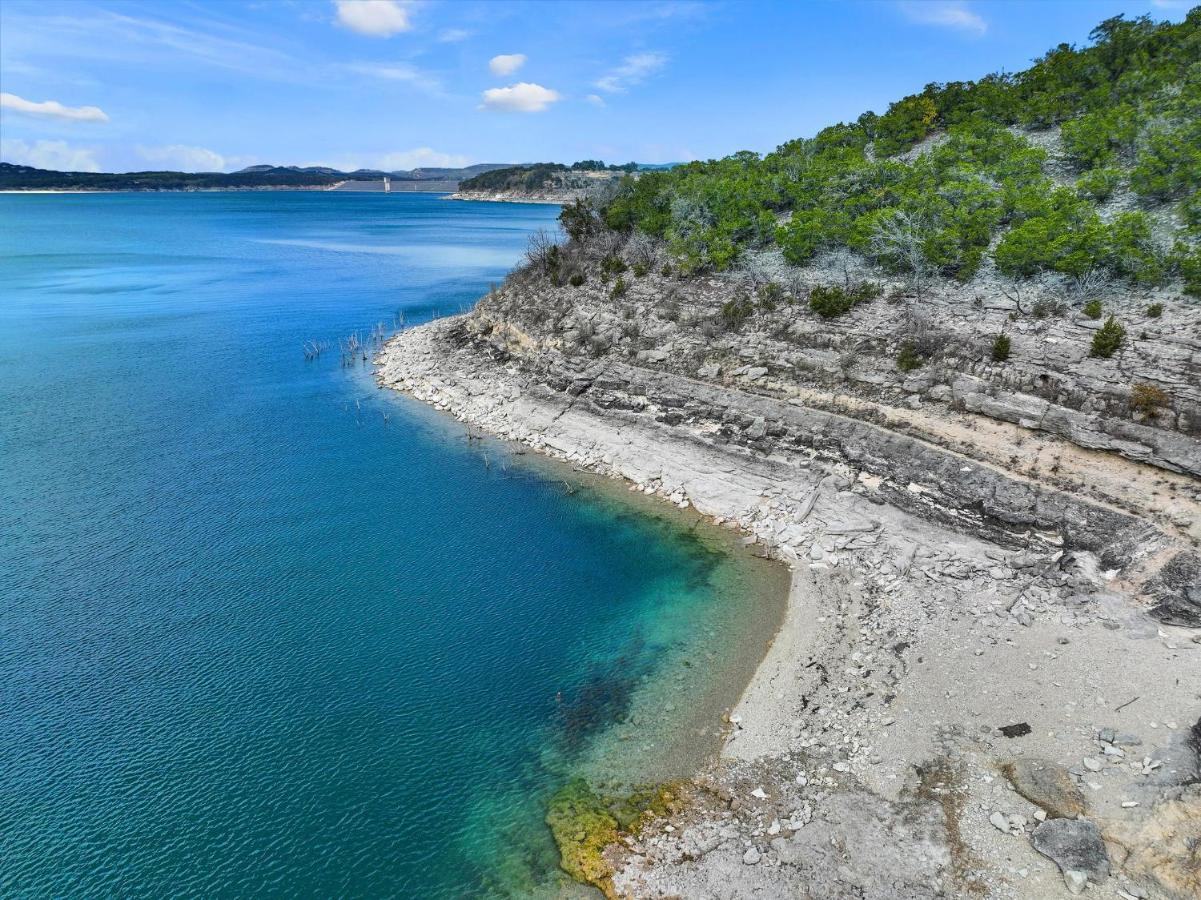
(268, 630)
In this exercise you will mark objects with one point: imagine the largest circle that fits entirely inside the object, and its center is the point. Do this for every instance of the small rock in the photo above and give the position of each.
(999, 822)
(751, 857)
(1075, 880)
(760, 793)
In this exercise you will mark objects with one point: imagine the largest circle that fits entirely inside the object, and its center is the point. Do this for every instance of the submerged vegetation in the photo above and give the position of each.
(584, 823)
(1012, 169)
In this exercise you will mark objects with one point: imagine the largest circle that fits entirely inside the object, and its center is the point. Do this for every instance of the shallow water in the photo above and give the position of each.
(265, 629)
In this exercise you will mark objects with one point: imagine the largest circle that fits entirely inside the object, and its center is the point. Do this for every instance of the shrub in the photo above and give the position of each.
(1045, 309)
(613, 265)
(1098, 184)
(1148, 400)
(1155, 310)
(769, 295)
(619, 288)
(735, 312)
(577, 279)
(1000, 348)
(1108, 338)
(906, 122)
(666, 270)
(1092, 309)
(829, 302)
(909, 358)
(1189, 263)
(579, 220)
(639, 269)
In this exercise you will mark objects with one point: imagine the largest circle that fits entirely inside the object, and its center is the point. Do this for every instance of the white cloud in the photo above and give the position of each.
(506, 63)
(946, 15)
(183, 158)
(422, 157)
(520, 97)
(53, 109)
(49, 155)
(595, 99)
(632, 71)
(377, 18)
(418, 157)
(454, 35)
(400, 71)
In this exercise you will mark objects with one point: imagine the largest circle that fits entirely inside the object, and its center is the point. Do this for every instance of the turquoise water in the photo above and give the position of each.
(267, 630)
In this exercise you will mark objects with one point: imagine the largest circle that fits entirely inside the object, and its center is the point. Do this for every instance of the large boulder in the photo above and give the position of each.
(1075, 845)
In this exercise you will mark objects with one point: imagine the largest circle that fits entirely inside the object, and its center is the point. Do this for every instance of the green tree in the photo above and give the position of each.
(1107, 339)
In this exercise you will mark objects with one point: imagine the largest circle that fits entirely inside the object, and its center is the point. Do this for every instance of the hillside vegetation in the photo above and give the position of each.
(1086, 165)
(542, 176)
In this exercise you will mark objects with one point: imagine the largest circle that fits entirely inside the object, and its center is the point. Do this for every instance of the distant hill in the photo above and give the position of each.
(15, 177)
(420, 174)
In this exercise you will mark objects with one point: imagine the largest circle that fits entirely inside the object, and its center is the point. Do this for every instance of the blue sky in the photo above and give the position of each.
(182, 84)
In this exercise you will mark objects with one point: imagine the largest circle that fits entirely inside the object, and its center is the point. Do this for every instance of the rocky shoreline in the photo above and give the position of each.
(556, 197)
(966, 698)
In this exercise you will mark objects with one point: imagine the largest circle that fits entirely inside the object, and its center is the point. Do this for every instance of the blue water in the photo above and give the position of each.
(267, 630)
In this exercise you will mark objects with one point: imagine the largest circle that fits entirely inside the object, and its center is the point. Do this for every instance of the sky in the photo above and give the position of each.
(395, 84)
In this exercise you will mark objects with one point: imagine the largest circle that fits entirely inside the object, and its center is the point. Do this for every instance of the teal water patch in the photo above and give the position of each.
(267, 630)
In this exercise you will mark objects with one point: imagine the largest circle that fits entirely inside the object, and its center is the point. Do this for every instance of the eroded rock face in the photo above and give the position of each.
(1050, 383)
(1177, 591)
(1047, 785)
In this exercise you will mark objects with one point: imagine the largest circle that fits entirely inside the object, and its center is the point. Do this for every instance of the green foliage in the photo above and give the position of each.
(576, 279)
(1092, 309)
(1098, 184)
(1000, 348)
(909, 358)
(769, 294)
(1107, 339)
(906, 122)
(1169, 162)
(1188, 262)
(579, 220)
(619, 288)
(1096, 138)
(639, 269)
(529, 178)
(829, 302)
(1066, 236)
(612, 265)
(1155, 310)
(1129, 106)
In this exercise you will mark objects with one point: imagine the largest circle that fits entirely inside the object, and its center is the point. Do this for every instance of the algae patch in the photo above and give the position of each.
(584, 823)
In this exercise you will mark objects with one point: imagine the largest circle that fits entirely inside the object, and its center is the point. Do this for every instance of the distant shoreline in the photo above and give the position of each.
(215, 190)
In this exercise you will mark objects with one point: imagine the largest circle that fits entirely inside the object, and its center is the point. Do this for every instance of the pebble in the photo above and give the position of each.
(751, 857)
